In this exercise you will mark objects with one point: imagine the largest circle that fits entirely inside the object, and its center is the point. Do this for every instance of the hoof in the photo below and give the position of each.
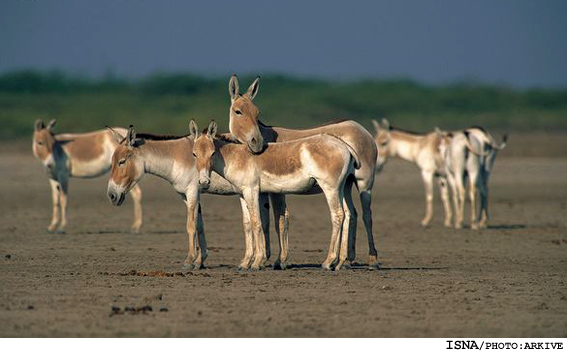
(241, 268)
(375, 266)
(61, 232)
(475, 227)
(188, 267)
(344, 265)
(135, 230)
(280, 265)
(447, 224)
(257, 267)
(325, 266)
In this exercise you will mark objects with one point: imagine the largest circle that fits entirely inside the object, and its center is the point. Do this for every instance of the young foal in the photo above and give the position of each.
(75, 155)
(169, 158)
(246, 128)
(421, 149)
(304, 166)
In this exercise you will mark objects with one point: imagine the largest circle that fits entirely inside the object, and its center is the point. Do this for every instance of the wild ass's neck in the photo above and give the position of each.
(227, 154)
(404, 145)
(160, 157)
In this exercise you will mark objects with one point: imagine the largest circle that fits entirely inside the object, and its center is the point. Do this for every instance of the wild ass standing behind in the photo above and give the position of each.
(246, 127)
(303, 166)
(422, 150)
(84, 155)
(470, 153)
(170, 158)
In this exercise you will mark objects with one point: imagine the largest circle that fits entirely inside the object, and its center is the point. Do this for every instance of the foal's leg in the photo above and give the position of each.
(460, 192)
(427, 177)
(265, 218)
(136, 194)
(281, 221)
(248, 238)
(56, 205)
(334, 200)
(444, 191)
(64, 198)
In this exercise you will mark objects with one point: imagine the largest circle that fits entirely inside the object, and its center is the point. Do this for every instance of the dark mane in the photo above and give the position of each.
(148, 136)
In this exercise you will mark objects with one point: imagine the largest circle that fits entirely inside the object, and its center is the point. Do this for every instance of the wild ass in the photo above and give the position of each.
(246, 128)
(421, 149)
(84, 155)
(308, 165)
(469, 154)
(170, 158)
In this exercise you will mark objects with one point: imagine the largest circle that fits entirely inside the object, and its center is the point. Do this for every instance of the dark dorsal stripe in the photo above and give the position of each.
(147, 136)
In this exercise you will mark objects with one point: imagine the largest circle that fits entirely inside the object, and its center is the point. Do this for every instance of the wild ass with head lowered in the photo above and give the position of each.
(170, 158)
(246, 128)
(84, 155)
(309, 165)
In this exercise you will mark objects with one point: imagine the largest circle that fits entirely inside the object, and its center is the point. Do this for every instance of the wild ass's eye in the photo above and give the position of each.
(194, 154)
(121, 162)
(40, 143)
(237, 111)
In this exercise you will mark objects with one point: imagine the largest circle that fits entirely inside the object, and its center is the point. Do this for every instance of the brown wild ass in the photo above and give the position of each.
(246, 127)
(303, 166)
(170, 158)
(421, 149)
(84, 155)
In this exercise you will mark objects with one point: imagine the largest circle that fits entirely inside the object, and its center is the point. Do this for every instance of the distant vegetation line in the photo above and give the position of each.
(163, 103)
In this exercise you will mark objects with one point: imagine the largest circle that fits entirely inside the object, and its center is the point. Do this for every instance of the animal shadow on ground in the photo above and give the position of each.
(507, 227)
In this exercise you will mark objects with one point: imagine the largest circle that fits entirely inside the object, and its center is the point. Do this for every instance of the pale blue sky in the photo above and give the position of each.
(514, 42)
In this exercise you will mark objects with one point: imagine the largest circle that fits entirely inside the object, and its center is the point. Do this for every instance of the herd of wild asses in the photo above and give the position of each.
(261, 164)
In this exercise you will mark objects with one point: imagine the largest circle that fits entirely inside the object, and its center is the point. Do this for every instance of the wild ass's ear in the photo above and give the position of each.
(39, 125)
(193, 129)
(439, 132)
(212, 129)
(116, 135)
(385, 124)
(233, 87)
(51, 124)
(376, 125)
(132, 139)
(253, 89)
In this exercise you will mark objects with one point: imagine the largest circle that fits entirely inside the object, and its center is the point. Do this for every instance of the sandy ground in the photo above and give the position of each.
(507, 281)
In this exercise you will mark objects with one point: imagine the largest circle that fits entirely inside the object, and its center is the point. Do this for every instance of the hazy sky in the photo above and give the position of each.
(516, 42)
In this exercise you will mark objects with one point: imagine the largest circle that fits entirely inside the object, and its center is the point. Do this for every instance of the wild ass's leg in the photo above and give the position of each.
(252, 197)
(347, 252)
(444, 191)
(281, 221)
(64, 193)
(366, 201)
(334, 200)
(136, 194)
(483, 186)
(460, 193)
(192, 203)
(248, 237)
(427, 177)
(472, 196)
(265, 218)
(203, 253)
(56, 205)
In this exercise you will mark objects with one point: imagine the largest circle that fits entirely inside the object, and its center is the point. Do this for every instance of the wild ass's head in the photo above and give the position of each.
(203, 151)
(44, 144)
(244, 114)
(382, 139)
(126, 167)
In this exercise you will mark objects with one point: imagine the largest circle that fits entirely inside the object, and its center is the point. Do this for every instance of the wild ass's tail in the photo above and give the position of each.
(472, 148)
